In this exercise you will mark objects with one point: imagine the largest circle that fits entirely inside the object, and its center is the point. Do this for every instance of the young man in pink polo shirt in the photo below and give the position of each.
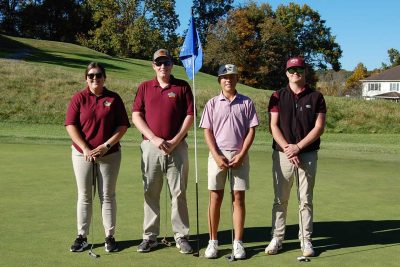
(229, 122)
(163, 112)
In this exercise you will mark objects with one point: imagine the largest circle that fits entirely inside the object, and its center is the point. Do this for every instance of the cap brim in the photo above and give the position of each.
(162, 57)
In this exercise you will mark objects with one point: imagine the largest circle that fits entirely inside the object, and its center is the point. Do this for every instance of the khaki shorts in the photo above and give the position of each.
(217, 176)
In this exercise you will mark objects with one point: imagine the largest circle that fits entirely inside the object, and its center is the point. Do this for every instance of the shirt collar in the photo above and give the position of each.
(155, 82)
(221, 97)
(105, 91)
(303, 91)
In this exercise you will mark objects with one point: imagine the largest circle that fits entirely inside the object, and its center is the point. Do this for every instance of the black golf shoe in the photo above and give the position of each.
(110, 244)
(80, 244)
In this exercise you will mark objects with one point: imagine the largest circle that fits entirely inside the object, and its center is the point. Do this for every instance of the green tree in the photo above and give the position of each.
(260, 41)
(132, 28)
(57, 20)
(394, 57)
(9, 14)
(207, 13)
(309, 36)
(353, 83)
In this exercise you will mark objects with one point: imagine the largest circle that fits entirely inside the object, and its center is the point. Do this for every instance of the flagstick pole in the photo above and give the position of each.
(195, 156)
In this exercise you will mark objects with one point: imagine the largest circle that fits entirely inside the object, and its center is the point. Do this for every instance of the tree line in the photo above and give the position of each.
(253, 36)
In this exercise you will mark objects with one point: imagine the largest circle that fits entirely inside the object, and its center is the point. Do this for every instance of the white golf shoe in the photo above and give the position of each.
(212, 249)
(238, 250)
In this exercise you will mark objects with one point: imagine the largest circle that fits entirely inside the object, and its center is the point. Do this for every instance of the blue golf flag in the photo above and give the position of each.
(191, 53)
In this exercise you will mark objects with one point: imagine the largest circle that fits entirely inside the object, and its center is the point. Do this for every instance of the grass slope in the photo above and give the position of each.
(39, 77)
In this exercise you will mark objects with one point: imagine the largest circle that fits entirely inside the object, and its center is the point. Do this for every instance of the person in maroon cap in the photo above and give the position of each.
(297, 120)
(96, 120)
(163, 112)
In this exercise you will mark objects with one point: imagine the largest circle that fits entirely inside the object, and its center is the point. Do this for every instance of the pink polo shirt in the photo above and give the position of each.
(164, 109)
(229, 121)
(97, 117)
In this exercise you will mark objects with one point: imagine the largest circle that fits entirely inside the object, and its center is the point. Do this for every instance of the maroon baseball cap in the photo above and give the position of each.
(295, 62)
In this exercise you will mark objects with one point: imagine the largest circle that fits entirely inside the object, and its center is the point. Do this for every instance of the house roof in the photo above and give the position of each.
(395, 95)
(392, 74)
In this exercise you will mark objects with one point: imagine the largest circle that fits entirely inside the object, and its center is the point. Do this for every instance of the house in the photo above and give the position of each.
(385, 85)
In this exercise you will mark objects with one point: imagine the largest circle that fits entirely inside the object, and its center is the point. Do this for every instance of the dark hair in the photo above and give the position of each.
(93, 65)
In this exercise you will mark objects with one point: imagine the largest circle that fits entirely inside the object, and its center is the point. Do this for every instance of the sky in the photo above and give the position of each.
(364, 29)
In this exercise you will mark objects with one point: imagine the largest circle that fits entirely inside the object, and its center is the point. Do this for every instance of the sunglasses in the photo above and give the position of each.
(97, 75)
(297, 70)
(160, 63)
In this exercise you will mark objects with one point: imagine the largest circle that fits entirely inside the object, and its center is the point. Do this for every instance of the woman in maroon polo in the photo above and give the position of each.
(96, 120)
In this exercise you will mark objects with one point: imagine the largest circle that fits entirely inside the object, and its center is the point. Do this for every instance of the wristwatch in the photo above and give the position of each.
(108, 146)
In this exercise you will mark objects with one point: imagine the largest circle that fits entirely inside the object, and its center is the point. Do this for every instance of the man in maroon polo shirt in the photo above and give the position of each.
(297, 120)
(163, 112)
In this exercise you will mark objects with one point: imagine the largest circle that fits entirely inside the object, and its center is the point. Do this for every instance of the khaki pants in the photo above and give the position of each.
(106, 173)
(154, 164)
(283, 178)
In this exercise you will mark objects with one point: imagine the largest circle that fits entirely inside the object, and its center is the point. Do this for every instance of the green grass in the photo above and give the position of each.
(356, 204)
(37, 89)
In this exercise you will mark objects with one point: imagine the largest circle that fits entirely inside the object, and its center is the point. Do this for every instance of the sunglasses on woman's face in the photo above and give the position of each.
(97, 75)
(297, 70)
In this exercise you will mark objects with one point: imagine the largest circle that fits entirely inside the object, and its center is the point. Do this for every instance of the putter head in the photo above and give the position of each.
(230, 257)
(93, 255)
(303, 259)
(166, 242)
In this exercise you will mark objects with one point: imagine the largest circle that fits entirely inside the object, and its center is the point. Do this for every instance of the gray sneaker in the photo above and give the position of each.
(146, 245)
(183, 245)
(274, 246)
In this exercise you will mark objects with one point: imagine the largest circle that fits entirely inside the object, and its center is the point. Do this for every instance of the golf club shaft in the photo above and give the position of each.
(296, 174)
(166, 200)
(91, 253)
(231, 192)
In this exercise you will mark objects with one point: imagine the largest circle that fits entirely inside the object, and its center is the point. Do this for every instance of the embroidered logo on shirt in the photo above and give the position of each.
(172, 95)
(107, 103)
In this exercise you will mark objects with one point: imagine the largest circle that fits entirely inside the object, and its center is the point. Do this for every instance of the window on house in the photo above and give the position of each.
(395, 87)
(374, 87)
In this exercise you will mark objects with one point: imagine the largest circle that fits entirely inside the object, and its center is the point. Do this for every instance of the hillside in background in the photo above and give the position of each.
(39, 77)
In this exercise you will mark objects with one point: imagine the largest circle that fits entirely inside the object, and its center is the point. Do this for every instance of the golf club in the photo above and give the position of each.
(91, 253)
(296, 174)
(164, 240)
(232, 256)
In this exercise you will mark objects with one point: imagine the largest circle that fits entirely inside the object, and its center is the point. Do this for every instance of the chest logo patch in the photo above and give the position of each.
(171, 95)
(107, 103)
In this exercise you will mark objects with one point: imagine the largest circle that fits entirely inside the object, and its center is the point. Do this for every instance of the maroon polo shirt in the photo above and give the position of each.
(164, 109)
(97, 117)
(297, 114)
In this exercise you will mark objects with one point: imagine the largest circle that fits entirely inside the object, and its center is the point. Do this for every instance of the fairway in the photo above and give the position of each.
(357, 211)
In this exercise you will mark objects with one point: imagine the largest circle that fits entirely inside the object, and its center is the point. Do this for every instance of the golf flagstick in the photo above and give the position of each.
(296, 174)
(197, 254)
(191, 56)
(91, 253)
